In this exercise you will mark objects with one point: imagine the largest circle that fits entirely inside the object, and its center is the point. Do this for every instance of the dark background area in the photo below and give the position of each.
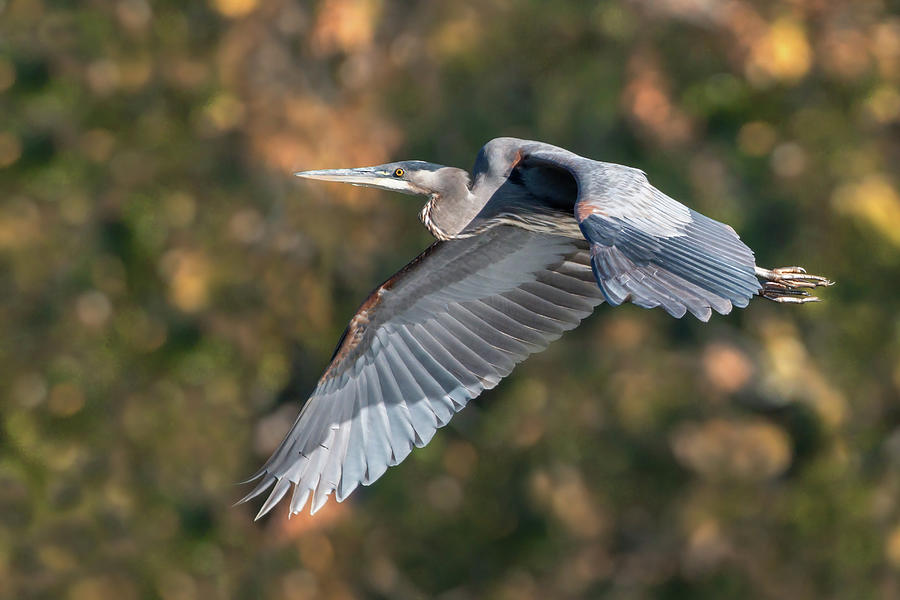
(169, 294)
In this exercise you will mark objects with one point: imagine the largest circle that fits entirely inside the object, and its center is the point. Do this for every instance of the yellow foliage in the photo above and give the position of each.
(873, 201)
(225, 112)
(790, 374)
(234, 8)
(884, 104)
(457, 36)
(782, 53)
(188, 273)
(750, 450)
(10, 149)
(345, 25)
(892, 547)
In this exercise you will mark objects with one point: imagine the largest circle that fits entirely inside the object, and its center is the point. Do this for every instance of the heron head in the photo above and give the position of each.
(408, 176)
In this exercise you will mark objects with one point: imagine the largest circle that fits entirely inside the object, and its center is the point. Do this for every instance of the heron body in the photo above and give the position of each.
(527, 247)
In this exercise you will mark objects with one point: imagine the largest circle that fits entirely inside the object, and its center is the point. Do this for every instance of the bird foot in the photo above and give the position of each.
(789, 285)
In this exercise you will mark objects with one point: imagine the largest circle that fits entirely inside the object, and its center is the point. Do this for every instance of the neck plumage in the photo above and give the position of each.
(451, 205)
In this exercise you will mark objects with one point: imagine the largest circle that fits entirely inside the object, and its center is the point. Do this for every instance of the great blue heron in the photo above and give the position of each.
(528, 246)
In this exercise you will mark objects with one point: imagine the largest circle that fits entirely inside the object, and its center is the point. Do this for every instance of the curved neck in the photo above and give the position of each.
(451, 205)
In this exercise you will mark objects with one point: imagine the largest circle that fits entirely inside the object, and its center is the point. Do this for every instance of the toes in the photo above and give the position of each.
(789, 285)
(794, 299)
(791, 276)
(778, 291)
(802, 279)
(800, 270)
(794, 276)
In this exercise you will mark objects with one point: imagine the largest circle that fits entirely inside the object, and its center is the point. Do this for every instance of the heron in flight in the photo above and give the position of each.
(527, 246)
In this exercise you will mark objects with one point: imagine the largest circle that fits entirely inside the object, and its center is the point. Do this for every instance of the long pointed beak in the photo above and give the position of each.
(362, 176)
(358, 176)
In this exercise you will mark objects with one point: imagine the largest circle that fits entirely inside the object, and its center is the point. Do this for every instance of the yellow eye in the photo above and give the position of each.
(398, 172)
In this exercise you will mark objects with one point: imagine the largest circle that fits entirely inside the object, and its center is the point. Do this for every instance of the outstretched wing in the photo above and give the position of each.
(450, 324)
(648, 248)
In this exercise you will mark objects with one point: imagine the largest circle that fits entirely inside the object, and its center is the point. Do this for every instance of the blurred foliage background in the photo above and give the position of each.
(169, 294)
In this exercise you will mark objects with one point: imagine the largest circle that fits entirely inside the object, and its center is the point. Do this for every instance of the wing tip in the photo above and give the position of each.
(281, 488)
(303, 495)
(319, 501)
(261, 487)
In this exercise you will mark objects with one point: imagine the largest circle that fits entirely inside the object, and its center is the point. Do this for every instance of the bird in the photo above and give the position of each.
(526, 247)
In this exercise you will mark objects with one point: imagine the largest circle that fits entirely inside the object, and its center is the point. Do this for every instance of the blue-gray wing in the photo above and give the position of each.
(648, 248)
(450, 324)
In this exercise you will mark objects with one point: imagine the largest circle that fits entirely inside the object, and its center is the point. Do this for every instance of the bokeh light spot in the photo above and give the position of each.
(10, 149)
(65, 400)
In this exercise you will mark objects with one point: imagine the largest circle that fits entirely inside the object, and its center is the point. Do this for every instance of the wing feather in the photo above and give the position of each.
(402, 433)
(450, 325)
(477, 349)
(354, 465)
(648, 248)
(450, 352)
